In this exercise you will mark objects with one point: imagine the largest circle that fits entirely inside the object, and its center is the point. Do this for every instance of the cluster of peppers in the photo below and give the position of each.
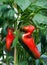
(26, 38)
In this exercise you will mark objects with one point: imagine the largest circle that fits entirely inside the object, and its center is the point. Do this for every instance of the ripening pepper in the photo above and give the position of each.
(29, 41)
(9, 38)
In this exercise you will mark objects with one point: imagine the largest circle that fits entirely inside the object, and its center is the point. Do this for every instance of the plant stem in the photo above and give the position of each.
(15, 57)
(15, 49)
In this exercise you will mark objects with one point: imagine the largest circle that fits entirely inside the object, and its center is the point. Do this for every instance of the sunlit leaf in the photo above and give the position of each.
(23, 3)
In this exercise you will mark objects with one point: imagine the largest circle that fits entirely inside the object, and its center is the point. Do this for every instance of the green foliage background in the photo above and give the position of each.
(17, 13)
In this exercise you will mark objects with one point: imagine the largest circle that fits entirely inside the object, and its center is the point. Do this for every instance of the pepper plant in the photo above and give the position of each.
(23, 32)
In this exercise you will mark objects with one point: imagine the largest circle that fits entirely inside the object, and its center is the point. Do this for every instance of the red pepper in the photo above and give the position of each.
(29, 41)
(9, 38)
(30, 28)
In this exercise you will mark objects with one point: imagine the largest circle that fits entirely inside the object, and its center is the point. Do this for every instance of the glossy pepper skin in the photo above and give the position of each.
(29, 41)
(9, 38)
(30, 28)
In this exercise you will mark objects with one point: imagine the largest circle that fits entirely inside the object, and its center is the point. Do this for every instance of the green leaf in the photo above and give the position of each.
(23, 63)
(43, 62)
(23, 3)
(34, 8)
(44, 59)
(41, 3)
(4, 7)
(39, 19)
(9, 14)
(15, 42)
(4, 30)
(39, 46)
(43, 56)
(37, 62)
(4, 0)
